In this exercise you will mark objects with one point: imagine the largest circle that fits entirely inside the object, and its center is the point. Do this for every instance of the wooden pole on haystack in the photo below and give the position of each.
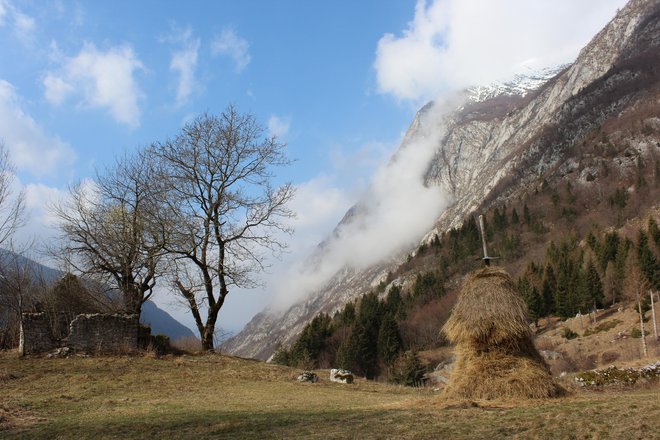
(486, 259)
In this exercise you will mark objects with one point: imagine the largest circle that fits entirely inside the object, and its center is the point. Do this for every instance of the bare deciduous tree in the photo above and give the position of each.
(637, 285)
(12, 207)
(111, 230)
(21, 287)
(11, 218)
(224, 210)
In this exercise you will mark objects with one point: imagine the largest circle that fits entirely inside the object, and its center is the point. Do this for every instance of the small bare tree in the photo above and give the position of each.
(21, 288)
(11, 218)
(12, 206)
(111, 229)
(637, 285)
(224, 210)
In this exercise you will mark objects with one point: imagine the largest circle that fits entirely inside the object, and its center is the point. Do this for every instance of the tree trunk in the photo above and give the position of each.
(641, 326)
(655, 323)
(207, 336)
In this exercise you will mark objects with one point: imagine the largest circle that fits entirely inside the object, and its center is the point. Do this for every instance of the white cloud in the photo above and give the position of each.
(22, 25)
(3, 12)
(184, 62)
(30, 148)
(99, 79)
(451, 44)
(278, 126)
(229, 43)
(392, 215)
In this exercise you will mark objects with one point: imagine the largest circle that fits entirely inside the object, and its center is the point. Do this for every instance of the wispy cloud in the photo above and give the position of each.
(184, 62)
(99, 79)
(451, 44)
(278, 126)
(230, 44)
(22, 25)
(31, 149)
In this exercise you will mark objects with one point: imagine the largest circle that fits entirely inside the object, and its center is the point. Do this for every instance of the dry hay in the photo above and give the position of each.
(495, 354)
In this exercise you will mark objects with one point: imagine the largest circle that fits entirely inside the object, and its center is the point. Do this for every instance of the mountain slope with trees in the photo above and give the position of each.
(578, 155)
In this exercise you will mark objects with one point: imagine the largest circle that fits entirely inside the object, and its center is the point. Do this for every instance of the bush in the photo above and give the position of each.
(408, 370)
(569, 334)
(602, 327)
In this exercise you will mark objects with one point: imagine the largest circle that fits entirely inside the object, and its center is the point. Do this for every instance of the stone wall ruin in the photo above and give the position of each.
(88, 333)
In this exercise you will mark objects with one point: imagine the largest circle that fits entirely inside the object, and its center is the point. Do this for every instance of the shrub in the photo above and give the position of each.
(569, 334)
(408, 370)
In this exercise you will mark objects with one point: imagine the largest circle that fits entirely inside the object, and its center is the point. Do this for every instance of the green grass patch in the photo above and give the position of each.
(602, 327)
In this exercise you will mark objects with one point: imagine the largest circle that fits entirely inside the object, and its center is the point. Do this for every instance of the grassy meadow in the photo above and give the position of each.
(224, 397)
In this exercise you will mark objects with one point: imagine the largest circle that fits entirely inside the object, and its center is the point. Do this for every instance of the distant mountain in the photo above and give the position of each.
(160, 321)
(592, 126)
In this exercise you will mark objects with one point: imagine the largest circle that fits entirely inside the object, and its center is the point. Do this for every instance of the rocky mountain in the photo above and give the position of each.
(500, 141)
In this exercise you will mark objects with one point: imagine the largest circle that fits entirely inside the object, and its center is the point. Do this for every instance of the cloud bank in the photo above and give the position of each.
(31, 149)
(99, 79)
(453, 44)
(392, 215)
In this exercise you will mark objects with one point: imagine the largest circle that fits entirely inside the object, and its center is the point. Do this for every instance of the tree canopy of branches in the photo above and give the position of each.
(12, 207)
(111, 232)
(13, 280)
(223, 208)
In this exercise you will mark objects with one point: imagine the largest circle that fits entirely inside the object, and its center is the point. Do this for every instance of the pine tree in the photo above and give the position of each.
(654, 231)
(408, 370)
(394, 303)
(612, 283)
(535, 305)
(389, 340)
(527, 217)
(549, 291)
(515, 220)
(648, 263)
(608, 251)
(594, 286)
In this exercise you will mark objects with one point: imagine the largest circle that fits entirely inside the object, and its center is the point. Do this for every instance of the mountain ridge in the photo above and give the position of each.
(496, 149)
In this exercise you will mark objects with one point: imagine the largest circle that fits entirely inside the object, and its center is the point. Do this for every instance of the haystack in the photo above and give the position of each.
(495, 353)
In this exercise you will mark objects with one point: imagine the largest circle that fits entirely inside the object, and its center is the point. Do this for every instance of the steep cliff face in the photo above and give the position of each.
(495, 145)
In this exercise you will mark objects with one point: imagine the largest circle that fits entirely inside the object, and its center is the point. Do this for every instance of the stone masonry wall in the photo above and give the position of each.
(91, 333)
(36, 335)
(101, 333)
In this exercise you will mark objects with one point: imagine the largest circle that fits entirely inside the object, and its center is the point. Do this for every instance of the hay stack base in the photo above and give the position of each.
(495, 353)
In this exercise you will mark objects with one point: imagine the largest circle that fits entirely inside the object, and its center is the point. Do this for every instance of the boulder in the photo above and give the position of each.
(341, 376)
(308, 376)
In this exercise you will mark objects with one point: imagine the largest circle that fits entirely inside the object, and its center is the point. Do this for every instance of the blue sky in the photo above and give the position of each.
(82, 82)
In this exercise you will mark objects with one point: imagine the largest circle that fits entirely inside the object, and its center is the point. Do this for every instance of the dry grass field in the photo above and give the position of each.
(215, 396)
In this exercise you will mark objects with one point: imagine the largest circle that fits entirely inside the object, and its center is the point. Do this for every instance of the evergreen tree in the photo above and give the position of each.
(654, 231)
(535, 305)
(608, 251)
(347, 315)
(515, 220)
(549, 289)
(408, 370)
(394, 303)
(648, 263)
(612, 283)
(389, 340)
(306, 350)
(527, 215)
(594, 286)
